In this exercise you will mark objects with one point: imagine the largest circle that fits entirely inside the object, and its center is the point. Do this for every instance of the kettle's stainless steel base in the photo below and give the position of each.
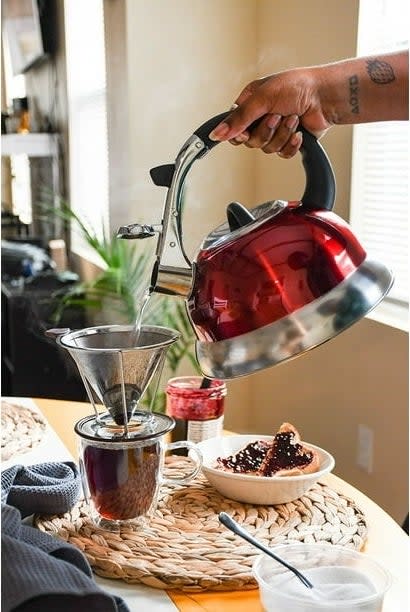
(301, 331)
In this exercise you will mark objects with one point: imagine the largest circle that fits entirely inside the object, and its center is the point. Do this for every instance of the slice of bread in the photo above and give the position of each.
(287, 456)
(246, 461)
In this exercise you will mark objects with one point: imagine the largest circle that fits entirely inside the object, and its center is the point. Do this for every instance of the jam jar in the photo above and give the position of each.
(198, 408)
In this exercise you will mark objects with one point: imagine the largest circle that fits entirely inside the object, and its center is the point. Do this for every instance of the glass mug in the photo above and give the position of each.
(122, 473)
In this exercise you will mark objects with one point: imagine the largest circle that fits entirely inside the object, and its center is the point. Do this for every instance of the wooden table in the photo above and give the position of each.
(386, 542)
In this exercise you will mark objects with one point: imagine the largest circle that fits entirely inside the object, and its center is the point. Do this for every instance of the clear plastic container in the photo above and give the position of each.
(344, 580)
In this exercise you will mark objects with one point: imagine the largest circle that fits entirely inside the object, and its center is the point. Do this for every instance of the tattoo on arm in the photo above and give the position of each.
(354, 93)
(380, 72)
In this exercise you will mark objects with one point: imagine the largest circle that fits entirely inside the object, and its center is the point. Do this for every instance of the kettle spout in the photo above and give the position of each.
(171, 280)
(167, 279)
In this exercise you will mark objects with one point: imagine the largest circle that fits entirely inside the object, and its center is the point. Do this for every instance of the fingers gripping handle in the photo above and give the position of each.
(320, 190)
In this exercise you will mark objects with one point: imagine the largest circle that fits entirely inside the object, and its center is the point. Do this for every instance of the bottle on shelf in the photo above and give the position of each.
(21, 112)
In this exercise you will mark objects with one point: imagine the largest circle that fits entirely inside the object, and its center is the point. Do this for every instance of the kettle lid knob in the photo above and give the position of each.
(238, 215)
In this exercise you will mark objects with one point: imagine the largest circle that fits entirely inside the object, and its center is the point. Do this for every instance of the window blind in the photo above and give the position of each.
(380, 160)
(87, 116)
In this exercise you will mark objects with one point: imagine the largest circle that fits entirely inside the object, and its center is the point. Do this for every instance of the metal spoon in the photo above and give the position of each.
(231, 524)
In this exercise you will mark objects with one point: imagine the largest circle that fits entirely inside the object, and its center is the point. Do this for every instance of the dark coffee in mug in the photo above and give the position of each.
(122, 482)
(122, 468)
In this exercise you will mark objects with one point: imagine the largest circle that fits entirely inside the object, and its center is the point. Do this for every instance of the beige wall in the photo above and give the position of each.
(186, 61)
(184, 69)
(292, 34)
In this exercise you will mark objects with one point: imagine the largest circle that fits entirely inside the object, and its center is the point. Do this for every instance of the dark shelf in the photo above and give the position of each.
(32, 364)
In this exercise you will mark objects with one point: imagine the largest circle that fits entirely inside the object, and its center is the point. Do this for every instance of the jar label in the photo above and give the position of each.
(202, 430)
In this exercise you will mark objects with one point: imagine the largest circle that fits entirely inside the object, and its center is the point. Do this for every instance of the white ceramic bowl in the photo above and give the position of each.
(265, 490)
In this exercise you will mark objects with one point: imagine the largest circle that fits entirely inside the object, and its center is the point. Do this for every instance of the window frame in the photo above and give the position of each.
(391, 311)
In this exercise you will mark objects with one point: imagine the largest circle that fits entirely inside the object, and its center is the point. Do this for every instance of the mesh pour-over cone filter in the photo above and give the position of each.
(118, 364)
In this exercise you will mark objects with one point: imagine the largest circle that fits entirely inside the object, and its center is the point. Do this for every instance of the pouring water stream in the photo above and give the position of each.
(138, 321)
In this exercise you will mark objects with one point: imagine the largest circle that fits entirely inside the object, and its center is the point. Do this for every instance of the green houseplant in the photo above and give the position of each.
(115, 295)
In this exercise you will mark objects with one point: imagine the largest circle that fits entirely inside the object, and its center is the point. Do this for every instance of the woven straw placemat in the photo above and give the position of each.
(22, 429)
(186, 547)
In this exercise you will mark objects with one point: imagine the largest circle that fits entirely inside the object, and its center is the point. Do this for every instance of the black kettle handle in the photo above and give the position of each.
(320, 189)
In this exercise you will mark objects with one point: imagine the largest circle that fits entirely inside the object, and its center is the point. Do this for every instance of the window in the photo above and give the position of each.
(19, 164)
(87, 116)
(380, 162)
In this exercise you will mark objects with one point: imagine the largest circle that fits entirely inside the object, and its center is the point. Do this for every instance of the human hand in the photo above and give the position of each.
(273, 134)
(280, 102)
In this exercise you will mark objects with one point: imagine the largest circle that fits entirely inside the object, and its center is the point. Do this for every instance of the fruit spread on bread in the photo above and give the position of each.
(284, 455)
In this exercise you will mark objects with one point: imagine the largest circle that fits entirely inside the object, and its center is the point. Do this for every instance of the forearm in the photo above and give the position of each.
(365, 89)
(359, 90)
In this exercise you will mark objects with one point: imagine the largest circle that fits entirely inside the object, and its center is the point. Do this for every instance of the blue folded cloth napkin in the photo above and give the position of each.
(41, 573)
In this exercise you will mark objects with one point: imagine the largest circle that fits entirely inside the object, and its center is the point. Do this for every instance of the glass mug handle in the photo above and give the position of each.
(86, 490)
(195, 455)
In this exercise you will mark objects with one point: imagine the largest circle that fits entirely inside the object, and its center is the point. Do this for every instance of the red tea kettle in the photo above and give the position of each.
(270, 283)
